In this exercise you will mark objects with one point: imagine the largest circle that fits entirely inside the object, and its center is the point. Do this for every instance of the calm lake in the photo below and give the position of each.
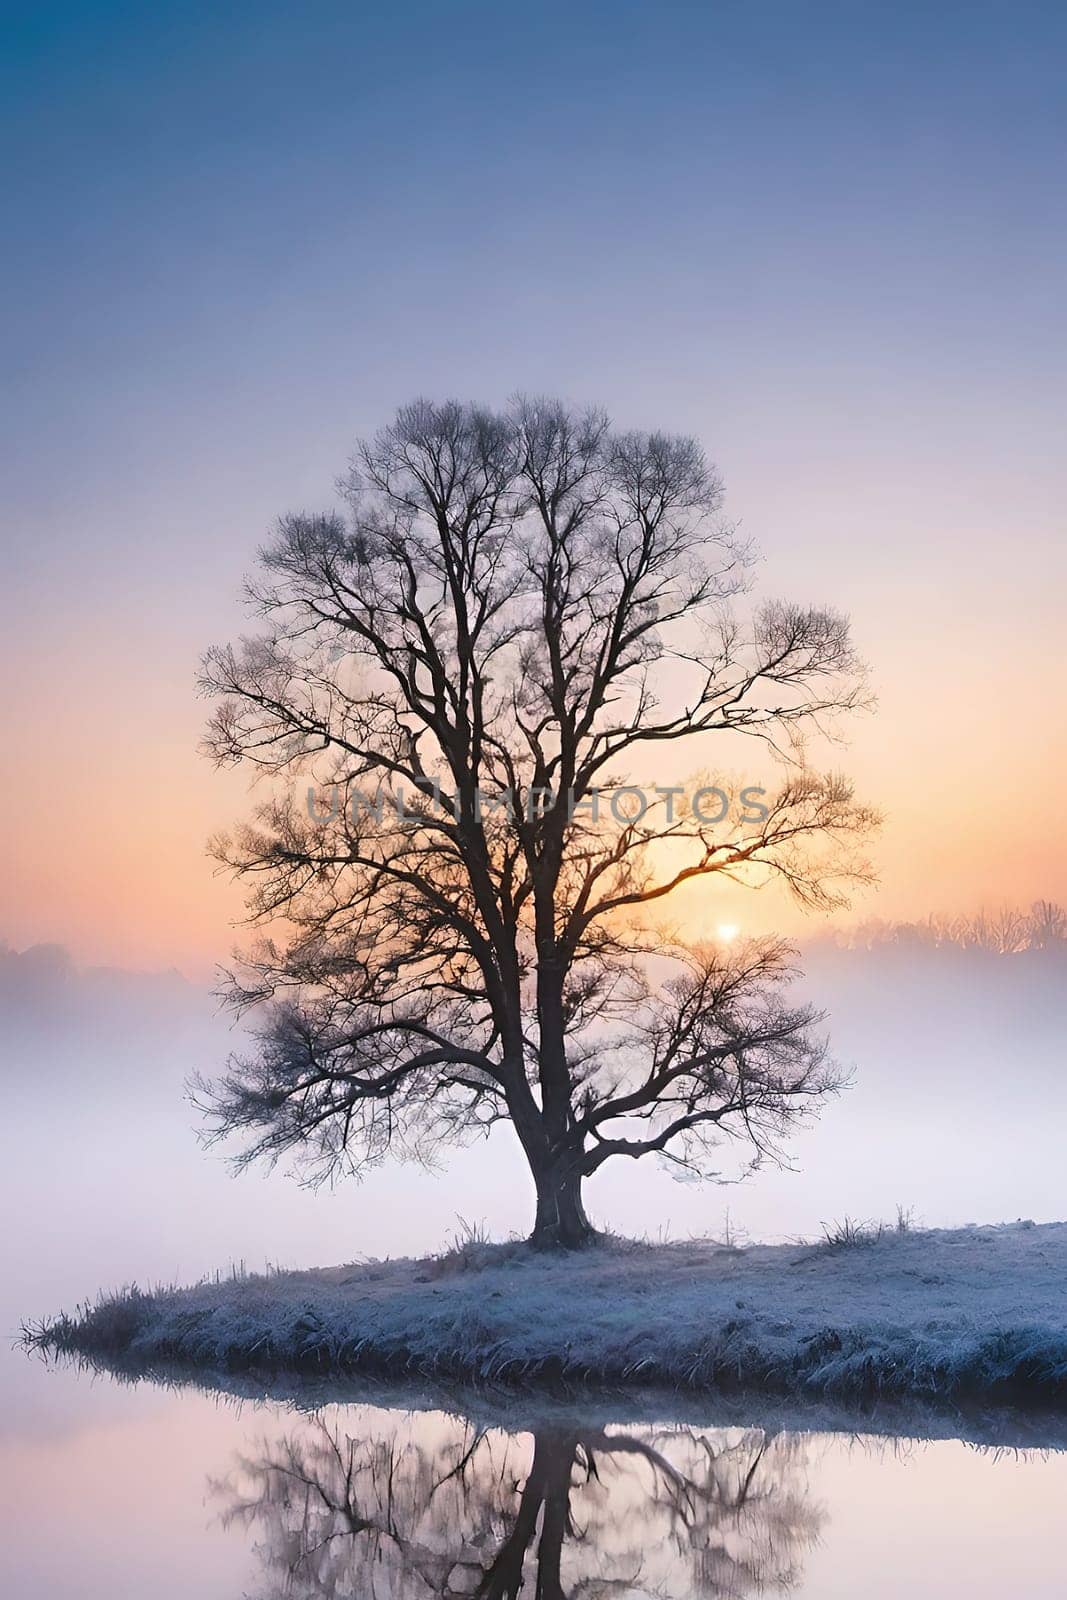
(113, 1489)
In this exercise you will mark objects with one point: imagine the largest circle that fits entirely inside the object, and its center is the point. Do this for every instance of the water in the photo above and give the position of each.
(118, 1492)
(113, 1489)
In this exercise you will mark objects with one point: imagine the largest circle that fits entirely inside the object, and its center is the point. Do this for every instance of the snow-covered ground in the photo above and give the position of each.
(977, 1313)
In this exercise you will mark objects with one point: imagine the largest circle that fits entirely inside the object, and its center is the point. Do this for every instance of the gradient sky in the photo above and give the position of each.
(828, 239)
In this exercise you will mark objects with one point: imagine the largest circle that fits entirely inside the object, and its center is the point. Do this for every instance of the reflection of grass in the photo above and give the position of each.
(934, 1314)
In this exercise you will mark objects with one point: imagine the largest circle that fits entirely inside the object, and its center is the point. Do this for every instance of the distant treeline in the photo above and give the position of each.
(1007, 931)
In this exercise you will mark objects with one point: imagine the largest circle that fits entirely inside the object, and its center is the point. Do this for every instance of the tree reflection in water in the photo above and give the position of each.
(424, 1506)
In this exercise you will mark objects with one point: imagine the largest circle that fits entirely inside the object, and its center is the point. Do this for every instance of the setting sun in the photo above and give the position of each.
(727, 932)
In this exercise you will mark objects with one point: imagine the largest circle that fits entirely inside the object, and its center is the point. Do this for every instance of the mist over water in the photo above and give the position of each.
(956, 1110)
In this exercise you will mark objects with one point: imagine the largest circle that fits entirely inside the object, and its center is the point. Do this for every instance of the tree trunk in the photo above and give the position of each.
(561, 1222)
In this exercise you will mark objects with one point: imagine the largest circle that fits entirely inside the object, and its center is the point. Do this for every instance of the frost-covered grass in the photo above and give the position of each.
(969, 1314)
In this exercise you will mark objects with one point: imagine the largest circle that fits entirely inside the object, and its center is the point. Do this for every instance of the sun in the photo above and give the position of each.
(727, 932)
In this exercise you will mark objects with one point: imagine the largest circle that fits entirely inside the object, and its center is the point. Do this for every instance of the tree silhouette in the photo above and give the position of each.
(460, 669)
(574, 1510)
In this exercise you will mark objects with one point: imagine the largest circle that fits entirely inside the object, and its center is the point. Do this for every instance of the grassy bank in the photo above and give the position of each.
(971, 1314)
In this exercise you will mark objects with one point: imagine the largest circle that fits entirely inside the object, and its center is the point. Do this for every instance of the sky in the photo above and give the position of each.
(827, 239)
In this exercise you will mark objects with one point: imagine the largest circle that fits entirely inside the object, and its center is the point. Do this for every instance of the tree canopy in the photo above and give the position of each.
(461, 882)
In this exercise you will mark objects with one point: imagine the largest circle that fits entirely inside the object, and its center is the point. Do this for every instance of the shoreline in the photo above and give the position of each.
(966, 1316)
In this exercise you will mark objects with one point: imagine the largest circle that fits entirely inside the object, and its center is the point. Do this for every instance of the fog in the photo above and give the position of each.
(955, 1112)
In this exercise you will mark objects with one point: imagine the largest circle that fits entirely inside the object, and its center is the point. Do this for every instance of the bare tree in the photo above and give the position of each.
(1048, 925)
(460, 669)
(576, 1510)
(1004, 932)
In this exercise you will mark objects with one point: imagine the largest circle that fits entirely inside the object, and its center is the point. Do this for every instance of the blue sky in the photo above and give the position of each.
(829, 239)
